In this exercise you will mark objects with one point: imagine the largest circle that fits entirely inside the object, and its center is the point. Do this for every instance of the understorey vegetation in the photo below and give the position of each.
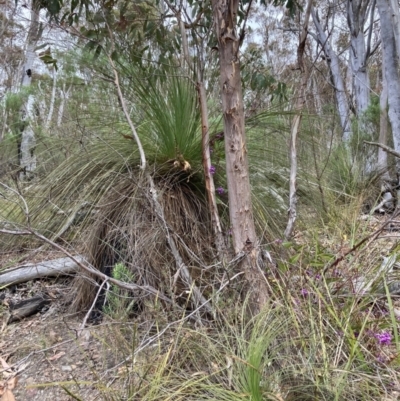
(229, 228)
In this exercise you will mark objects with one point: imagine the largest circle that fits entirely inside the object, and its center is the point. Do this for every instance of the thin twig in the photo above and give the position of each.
(91, 308)
(384, 147)
(371, 236)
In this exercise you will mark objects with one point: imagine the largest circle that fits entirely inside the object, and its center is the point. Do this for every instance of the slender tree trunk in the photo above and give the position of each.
(301, 101)
(52, 100)
(337, 80)
(27, 144)
(210, 187)
(391, 64)
(237, 169)
(383, 129)
(64, 97)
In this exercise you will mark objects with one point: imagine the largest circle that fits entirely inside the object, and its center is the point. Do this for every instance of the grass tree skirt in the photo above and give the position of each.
(128, 231)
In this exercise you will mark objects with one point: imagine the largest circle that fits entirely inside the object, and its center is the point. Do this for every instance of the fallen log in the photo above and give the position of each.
(48, 268)
(27, 307)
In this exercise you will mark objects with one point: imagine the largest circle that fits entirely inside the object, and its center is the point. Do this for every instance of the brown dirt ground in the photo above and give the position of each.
(46, 352)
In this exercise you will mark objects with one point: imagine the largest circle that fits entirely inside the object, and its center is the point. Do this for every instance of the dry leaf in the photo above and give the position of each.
(5, 389)
(4, 363)
(6, 368)
(11, 383)
(7, 396)
(57, 356)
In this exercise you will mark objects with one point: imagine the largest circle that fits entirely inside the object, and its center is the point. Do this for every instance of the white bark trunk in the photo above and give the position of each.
(28, 143)
(361, 82)
(64, 97)
(26, 151)
(356, 16)
(383, 129)
(394, 5)
(391, 64)
(337, 80)
(52, 100)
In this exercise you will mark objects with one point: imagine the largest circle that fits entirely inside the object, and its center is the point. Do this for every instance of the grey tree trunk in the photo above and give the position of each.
(64, 95)
(52, 100)
(26, 151)
(237, 169)
(391, 64)
(396, 22)
(337, 79)
(356, 16)
(383, 129)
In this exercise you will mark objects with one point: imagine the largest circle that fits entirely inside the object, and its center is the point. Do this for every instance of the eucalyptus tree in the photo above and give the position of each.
(359, 12)
(27, 142)
(391, 68)
(325, 41)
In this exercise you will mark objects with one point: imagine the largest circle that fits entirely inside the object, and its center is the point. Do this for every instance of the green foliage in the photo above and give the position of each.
(172, 118)
(119, 302)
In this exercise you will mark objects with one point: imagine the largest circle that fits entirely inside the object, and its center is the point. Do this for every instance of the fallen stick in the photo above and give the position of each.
(27, 272)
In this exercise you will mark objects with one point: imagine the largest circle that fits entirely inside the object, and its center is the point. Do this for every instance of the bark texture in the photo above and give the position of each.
(300, 103)
(27, 143)
(356, 17)
(391, 64)
(337, 80)
(210, 187)
(237, 169)
(383, 130)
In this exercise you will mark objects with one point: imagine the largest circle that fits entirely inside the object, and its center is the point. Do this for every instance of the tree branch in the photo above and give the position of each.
(384, 147)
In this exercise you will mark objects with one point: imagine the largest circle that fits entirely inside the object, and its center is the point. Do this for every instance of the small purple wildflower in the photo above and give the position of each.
(384, 338)
(212, 170)
(317, 276)
(220, 191)
(278, 241)
(304, 292)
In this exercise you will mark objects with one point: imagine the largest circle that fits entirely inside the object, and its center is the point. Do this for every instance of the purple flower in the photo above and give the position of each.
(304, 292)
(384, 338)
(212, 170)
(278, 241)
(220, 191)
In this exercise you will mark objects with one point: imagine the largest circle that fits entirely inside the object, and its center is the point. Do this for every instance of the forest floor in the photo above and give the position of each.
(51, 353)
(46, 351)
